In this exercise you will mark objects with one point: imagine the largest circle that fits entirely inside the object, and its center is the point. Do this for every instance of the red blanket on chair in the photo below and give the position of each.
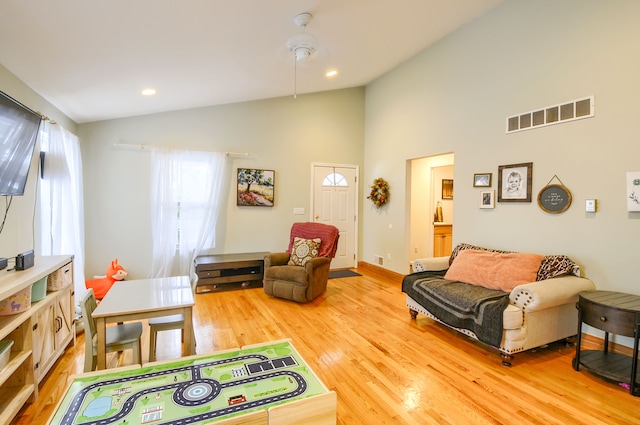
(328, 235)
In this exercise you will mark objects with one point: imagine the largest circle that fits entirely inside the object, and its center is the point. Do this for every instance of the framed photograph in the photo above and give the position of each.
(255, 187)
(514, 182)
(482, 180)
(447, 189)
(487, 199)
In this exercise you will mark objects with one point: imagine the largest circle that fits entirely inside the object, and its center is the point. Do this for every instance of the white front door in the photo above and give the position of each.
(335, 190)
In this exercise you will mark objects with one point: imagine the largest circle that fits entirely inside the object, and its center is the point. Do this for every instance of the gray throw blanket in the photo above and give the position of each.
(460, 305)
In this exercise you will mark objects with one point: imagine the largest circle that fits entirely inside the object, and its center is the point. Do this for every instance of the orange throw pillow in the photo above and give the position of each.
(494, 270)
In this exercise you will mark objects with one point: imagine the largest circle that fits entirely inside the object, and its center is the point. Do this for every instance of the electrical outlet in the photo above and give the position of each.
(389, 256)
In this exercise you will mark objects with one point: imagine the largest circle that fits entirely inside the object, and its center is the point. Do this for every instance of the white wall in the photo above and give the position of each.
(283, 134)
(455, 97)
(18, 233)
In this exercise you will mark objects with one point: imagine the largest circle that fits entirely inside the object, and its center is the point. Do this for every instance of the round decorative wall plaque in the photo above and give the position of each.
(554, 198)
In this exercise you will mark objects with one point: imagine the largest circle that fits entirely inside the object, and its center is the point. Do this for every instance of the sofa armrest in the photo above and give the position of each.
(433, 264)
(536, 296)
(276, 259)
(314, 263)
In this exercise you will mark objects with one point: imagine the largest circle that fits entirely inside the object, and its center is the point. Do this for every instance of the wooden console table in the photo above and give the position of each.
(40, 334)
(225, 272)
(611, 312)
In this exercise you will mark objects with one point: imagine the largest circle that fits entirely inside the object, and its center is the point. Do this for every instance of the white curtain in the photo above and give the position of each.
(186, 196)
(61, 201)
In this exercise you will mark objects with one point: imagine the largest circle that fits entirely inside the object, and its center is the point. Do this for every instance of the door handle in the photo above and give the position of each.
(317, 217)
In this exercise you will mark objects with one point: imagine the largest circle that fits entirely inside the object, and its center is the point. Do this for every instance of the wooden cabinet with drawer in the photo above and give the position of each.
(40, 334)
(53, 326)
(442, 239)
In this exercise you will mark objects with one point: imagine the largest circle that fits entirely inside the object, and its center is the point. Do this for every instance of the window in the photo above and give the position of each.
(335, 179)
(185, 202)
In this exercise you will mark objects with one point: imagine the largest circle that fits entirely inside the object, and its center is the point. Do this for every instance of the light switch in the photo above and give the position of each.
(591, 205)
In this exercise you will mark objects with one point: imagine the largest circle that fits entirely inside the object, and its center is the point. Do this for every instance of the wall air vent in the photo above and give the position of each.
(556, 114)
(378, 260)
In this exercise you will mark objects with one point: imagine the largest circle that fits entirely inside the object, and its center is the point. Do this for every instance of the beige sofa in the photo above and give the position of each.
(538, 312)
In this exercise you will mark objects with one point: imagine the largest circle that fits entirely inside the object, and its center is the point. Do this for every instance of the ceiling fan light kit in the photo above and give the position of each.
(303, 45)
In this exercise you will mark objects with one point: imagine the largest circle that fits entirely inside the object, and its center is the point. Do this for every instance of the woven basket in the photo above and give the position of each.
(60, 278)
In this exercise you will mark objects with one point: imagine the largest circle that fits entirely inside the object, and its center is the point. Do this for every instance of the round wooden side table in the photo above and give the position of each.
(612, 312)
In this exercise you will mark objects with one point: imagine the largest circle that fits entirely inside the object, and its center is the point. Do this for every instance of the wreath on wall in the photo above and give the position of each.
(379, 194)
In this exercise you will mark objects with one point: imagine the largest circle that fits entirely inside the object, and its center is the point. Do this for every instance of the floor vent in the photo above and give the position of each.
(556, 114)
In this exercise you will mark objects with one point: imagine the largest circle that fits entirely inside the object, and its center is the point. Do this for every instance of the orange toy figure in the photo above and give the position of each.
(101, 285)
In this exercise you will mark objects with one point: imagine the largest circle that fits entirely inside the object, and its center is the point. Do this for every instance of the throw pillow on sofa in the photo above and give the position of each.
(303, 250)
(494, 270)
(551, 266)
(465, 246)
(557, 265)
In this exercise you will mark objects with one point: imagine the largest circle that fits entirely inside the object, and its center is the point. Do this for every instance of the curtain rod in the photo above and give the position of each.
(147, 147)
(22, 105)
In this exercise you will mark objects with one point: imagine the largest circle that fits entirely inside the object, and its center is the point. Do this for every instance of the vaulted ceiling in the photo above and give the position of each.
(92, 59)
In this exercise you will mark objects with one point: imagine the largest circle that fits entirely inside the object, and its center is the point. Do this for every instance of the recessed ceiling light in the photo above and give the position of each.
(149, 92)
(331, 73)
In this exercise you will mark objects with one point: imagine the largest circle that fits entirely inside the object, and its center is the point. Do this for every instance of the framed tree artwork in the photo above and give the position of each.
(255, 187)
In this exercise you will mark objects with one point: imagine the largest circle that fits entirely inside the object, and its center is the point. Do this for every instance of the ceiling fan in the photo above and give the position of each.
(303, 47)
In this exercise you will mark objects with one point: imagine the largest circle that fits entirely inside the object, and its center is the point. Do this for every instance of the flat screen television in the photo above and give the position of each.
(19, 127)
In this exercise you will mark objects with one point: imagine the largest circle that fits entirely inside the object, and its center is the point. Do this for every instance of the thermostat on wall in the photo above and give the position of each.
(591, 205)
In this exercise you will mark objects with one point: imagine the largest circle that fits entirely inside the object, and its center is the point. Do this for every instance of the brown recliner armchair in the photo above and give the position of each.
(301, 283)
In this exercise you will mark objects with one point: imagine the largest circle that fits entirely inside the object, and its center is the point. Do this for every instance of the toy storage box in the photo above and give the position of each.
(5, 352)
(16, 303)
(39, 290)
(60, 278)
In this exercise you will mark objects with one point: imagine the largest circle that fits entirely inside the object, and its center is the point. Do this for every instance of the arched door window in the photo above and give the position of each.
(335, 179)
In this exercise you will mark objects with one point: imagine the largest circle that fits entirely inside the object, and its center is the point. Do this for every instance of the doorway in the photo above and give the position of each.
(335, 191)
(425, 181)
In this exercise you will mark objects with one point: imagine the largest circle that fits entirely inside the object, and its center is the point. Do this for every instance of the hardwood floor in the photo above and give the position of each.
(385, 368)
